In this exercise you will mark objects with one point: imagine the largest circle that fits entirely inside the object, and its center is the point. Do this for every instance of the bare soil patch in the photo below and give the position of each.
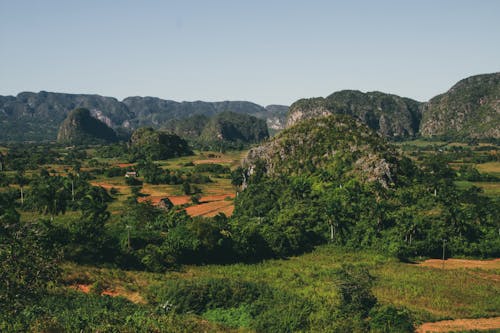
(461, 263)
(209, 208)
(228, 211)
(460, 325)
(131, 296)
(180, 199)
(125, 165)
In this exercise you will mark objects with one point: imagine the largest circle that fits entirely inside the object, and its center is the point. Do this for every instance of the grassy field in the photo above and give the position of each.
(491, 189)
(430, 293)
(492, 168)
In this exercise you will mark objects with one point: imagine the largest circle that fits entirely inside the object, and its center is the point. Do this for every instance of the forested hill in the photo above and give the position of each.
(334, 179)
(37, 116)
(222, 127)
(390, 115)
(470, 109)
(81, 128)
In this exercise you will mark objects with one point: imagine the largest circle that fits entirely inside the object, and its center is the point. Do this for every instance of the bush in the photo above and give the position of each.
(201, 295)
(388, 319)
(355, 290)
(213, 168)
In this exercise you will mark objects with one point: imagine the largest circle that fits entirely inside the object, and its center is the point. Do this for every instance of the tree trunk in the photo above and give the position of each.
(331, 232)
(22, 196)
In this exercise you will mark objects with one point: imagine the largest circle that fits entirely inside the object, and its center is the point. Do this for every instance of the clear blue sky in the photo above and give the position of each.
(259, 50)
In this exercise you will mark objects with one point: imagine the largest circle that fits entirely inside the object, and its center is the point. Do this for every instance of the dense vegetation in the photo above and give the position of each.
(221, 131)
(146, 143)
(390, 115)
(469, 110)
(328, 179)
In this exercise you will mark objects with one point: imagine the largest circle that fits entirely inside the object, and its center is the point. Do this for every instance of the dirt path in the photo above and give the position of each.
(461, 263)
(460, 325)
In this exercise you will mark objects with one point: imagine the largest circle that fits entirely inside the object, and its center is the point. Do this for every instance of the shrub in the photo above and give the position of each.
(388, 319)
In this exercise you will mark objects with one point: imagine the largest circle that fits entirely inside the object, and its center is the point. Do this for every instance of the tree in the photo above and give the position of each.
(89, 239)
(27, 266)
(49, 195)
(21, 180)
(355, 293)
(334, 202)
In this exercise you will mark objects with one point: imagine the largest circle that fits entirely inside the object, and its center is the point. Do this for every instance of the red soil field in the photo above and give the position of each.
(125, 165)
(210, 205)
(180, 199)
(210, 208)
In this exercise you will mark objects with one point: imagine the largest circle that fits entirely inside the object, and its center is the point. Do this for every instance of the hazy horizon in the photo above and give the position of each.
(271, 52)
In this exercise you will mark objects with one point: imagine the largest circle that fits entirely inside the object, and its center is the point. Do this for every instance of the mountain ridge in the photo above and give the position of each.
(39, 115)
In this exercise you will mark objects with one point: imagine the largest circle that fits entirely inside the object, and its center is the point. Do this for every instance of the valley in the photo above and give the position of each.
(207, 223)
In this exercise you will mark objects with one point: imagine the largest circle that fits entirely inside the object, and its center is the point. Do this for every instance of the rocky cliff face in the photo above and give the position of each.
(275, 117)
(471, 108)
(390, 115)
(81, 128)
(333, 142)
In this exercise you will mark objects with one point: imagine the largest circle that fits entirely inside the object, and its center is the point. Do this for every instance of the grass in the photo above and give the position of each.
(491, 189)
(431, 294)
(492, 168)
(422, 143)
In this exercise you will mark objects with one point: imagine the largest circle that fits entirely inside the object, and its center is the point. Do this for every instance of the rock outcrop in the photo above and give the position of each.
(81, 128)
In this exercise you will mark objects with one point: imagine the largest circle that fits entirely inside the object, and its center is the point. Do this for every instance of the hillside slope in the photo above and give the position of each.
(81, 128)
(470, 109)
(336, 143)
(390, 115)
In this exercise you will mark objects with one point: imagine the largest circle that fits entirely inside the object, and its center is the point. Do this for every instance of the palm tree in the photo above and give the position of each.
(21, 180)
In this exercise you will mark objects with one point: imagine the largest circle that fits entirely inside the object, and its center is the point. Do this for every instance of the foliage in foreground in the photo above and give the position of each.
(71, 311)
(258, 306)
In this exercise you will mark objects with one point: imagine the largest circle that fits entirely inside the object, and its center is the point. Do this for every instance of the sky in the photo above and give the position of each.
(265, 51)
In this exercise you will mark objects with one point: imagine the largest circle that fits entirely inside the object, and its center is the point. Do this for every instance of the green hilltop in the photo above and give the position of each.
(470, 109)
(390, 115)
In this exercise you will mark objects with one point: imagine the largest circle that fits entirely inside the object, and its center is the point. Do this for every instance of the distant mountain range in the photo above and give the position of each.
(37, 116)
(470, 109)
